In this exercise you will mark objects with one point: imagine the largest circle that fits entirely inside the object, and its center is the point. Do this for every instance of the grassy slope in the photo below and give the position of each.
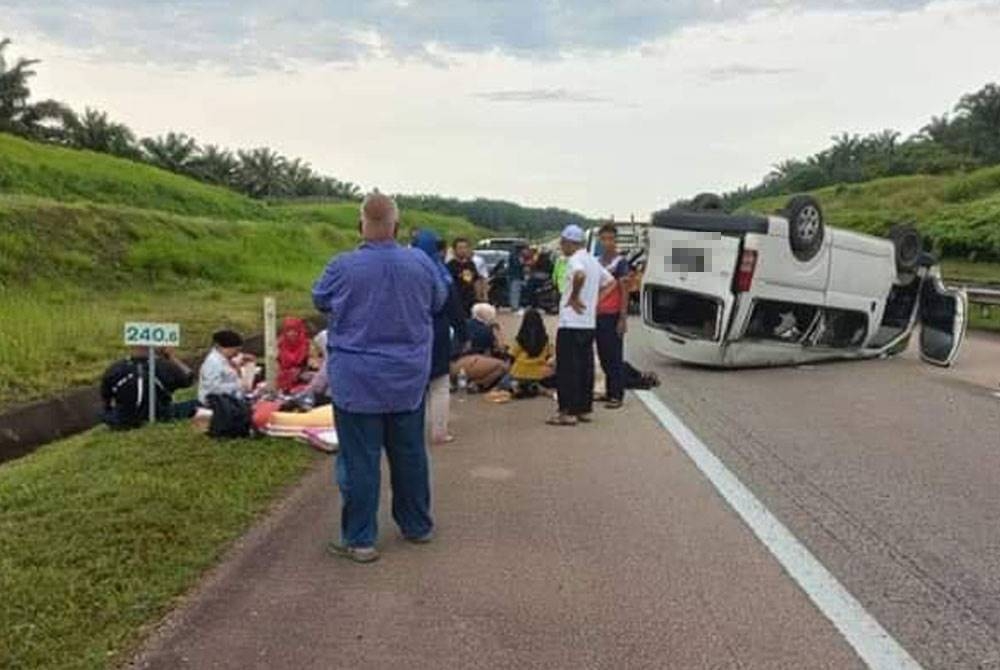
(114, 241)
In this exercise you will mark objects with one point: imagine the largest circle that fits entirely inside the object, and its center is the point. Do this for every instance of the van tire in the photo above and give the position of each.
(909, 247)
(806, 227)
(707, 202)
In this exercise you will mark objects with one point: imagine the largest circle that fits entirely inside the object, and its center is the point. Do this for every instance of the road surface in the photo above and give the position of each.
(604, 546)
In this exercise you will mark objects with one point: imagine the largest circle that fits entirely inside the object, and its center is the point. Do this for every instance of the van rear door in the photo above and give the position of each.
(943, 318)
(688, 283)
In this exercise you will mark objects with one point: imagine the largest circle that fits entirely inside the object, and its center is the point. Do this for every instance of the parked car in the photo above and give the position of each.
(491, 257)
(501, 243)
(741, 290)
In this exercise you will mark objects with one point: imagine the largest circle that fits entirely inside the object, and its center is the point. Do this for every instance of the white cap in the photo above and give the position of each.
(573, 233)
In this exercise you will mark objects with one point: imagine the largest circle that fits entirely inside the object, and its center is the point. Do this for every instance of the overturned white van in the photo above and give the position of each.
(738, 290)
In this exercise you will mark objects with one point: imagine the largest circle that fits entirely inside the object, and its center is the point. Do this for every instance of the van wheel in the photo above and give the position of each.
(908, 245)
(805, 226)
(706, 202)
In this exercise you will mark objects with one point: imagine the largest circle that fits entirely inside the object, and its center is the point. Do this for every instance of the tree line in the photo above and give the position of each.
(258, 173)
(966, 139)
(529, 222)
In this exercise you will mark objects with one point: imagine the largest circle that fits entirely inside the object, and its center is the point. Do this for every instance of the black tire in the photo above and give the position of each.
(706, 202)
(806, 226)
(909, 247)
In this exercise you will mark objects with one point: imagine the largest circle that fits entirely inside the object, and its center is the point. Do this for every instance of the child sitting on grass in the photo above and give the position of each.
(532, 355)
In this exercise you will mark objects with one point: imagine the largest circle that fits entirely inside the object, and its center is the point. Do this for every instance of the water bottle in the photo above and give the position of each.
(463, 380)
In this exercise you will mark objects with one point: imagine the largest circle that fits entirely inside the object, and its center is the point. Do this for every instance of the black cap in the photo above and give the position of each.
(227, 339)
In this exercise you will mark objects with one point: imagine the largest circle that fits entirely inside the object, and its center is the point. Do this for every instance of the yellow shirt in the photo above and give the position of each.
(528, 367)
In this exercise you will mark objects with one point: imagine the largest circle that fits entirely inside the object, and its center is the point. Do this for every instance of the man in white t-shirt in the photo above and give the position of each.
(585, 276)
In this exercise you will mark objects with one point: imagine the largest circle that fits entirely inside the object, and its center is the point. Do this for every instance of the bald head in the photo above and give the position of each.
(379, 217)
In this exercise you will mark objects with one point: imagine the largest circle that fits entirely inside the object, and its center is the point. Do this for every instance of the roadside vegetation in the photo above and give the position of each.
(99, 534)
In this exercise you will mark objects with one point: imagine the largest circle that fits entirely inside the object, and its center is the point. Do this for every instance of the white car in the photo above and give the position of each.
(737, 290)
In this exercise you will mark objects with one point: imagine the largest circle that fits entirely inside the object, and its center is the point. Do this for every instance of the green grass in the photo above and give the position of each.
(73, 175)
(959, 215)
(100, 533)
(72, 273)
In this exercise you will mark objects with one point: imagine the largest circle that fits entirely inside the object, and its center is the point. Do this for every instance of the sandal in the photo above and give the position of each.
(561, 420)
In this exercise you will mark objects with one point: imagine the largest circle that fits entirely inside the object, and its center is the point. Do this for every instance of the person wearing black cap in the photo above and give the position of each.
(220, 372)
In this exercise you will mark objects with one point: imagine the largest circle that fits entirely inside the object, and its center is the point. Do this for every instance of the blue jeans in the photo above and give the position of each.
(611, 352)
(358, 473)
(515, 293)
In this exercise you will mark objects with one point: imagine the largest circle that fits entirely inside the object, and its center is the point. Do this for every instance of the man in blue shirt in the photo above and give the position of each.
(380, 299)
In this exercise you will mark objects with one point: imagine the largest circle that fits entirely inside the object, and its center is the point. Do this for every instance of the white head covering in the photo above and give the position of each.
(485, 312)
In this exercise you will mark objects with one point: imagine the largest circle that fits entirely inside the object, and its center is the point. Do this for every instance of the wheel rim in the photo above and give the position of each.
(808, 223)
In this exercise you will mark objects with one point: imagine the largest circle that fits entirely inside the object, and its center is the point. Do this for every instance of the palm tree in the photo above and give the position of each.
(173, 151)
(214, 164)
(41, 120)
(261, 173)
(95, 131)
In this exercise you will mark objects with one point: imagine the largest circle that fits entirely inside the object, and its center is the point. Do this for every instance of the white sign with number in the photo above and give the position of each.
(142, 334)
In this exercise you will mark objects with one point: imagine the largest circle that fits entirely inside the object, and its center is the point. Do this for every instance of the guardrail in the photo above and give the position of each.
(986, 298)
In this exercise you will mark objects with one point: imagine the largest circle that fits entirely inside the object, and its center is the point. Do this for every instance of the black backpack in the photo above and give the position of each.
(231, 416)
(130, 392)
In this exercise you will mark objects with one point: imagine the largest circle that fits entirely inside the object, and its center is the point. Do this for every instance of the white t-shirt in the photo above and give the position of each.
(595, 276)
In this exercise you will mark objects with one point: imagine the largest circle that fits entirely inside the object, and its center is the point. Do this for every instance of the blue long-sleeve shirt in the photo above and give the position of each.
(380, 300)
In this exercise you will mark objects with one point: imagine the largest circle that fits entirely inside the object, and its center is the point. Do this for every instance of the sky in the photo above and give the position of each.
(609, 108)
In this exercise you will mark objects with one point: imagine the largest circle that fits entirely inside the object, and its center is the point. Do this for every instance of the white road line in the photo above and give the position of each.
(872, 643)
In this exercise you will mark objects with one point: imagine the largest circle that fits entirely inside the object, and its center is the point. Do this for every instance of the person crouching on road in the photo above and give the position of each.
(483, 361)
(532, 353)
(577, 321)
(612, 318)
(380, 300)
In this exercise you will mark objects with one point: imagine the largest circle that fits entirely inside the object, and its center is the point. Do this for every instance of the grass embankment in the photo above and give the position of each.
(958, 215)
(72, 271)
(101, 532)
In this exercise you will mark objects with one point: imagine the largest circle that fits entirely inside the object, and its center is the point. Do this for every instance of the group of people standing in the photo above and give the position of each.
(399, 322)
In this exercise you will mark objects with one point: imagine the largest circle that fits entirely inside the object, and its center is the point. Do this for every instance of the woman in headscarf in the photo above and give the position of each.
(483, 361)
(293, 353)
(532, 352)
(446, 321)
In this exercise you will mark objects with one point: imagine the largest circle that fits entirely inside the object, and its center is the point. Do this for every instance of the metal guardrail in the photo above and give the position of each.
(986, 298)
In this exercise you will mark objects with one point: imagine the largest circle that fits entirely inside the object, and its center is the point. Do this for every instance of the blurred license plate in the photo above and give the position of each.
(683, 259)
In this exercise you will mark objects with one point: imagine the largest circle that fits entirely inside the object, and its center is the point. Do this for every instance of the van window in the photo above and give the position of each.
(688, 314)
(841, 328)
(781, 321)
(899, 308)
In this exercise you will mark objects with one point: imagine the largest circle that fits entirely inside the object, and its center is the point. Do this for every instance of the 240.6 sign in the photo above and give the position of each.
(142, 334)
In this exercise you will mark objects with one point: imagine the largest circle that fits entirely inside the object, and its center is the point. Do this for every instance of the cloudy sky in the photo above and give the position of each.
(602, 106)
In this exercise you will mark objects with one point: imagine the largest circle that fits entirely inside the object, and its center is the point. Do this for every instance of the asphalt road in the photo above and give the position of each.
(604, 546)
(888, 471)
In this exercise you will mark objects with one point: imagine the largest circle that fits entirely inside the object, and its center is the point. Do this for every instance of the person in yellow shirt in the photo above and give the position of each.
(532, 357)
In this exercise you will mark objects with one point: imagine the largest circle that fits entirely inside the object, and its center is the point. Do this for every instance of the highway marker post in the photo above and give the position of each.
(153, 336)
(270, 342)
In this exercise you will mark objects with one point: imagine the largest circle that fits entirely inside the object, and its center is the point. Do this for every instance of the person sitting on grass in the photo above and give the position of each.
(220, 373)
(293, 354)
(125, 390)
(483, 360)
(532, 353)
